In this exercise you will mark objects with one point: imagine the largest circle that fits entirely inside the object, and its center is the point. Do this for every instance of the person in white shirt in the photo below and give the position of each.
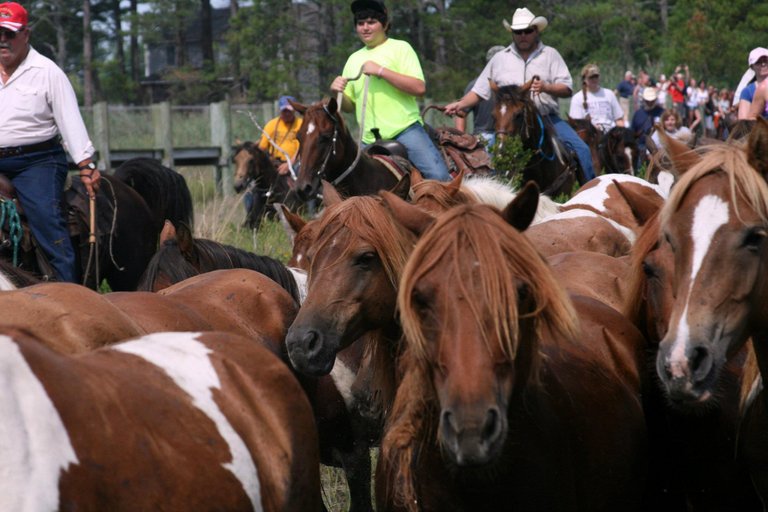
(672, 124)
(596, 103)
(38, 108)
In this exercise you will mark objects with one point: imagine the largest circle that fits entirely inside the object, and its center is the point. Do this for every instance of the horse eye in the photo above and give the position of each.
(366, 259)
(649, 270)
(754, 238)
(420, 301)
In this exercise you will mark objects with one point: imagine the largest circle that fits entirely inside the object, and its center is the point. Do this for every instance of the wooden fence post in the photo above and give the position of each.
(101, 135)
(221, 136)
(161, 120)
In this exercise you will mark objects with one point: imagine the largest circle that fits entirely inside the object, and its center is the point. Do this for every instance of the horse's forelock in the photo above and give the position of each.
(478, 236)
(367, 218)
(745, 181)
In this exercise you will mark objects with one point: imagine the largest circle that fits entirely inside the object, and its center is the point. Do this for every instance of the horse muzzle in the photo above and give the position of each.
(473, 437)
(310, 351)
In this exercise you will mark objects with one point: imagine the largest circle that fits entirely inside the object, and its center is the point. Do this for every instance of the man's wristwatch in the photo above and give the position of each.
(91, 167)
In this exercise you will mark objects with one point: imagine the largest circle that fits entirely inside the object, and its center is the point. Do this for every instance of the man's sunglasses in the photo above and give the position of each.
(10, 34)
(526, 31)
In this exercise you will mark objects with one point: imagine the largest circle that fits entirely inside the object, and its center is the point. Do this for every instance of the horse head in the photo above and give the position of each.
(354, 264)
(325, 144)
(514, 110)
(716, 222)
(619, 151)
(471, 319)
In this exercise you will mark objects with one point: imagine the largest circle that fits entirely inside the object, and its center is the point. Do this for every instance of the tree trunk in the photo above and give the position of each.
(234, 48)
(61, 36)
(119, 46)
(134, 44)
(87, 55)
(206, 35)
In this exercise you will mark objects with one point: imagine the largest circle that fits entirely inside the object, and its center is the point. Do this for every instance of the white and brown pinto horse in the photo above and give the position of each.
(171, 421)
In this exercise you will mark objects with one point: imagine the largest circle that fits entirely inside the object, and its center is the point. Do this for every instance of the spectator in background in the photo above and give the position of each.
(676, 91)
(624, 91)
(644, 120)
(637, 94)
(692, 105)
(752, 101)
(724, 108)
(596, 103)
(672, 124)
(663, 87)
(282, 130)
(482, 113)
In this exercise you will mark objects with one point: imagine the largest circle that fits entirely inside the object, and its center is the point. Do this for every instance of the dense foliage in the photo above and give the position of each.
(278, 46)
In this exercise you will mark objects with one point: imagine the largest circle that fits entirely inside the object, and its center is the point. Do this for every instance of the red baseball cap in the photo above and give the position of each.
(13, 16)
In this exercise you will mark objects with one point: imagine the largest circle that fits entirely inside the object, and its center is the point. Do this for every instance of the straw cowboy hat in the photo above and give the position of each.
(523, 19)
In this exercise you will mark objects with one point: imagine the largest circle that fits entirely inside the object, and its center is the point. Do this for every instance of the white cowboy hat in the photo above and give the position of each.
(523, 19)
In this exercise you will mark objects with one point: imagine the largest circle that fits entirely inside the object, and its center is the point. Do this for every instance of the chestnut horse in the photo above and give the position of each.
(715, 222)
(514, 396)
(692, 444)
(328, 152)
(551, 167)
(172, 421)
(614, 151)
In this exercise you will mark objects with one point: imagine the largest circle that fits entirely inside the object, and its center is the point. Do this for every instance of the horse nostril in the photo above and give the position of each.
(701, 363)
(447, 420)
(492, 424)
(312, 342)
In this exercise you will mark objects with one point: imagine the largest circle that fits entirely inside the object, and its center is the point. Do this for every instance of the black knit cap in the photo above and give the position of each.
(368, 5)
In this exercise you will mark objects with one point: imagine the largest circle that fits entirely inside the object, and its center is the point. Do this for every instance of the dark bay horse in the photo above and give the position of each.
(693, 445)
(715, 223)
(181, 256)
(163, 189)
(328, 152)
(513, 396)
(125, 236)
(122, 426)
(256, 172)
(612, 152)
(551, 166)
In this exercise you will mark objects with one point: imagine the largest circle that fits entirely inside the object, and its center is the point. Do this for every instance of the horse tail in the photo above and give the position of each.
(164, 190)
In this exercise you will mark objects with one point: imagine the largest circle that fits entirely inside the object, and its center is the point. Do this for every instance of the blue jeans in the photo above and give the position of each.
(572, 141)
(423, 153)
(39, 181)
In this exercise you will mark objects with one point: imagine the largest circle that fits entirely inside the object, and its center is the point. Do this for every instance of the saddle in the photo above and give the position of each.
(462, 152)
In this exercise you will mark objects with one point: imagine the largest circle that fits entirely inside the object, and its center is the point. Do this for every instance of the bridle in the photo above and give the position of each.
(331, 151)
(539, 148)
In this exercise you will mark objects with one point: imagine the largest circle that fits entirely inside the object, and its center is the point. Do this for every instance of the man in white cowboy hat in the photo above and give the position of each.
(527, 57)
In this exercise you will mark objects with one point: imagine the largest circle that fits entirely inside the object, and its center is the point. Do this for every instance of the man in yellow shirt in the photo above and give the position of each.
(282, 130)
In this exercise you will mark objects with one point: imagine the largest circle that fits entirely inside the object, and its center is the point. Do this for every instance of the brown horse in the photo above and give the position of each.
(256, 172)
(101, 431)
(613, 152)
(507, 401)
(328, 152)
(715, 223)
(551, 167)
(692, 445)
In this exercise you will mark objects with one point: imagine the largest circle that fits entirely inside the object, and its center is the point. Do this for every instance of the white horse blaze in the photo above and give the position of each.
(311, 128)
(709, 215)
(185, 360)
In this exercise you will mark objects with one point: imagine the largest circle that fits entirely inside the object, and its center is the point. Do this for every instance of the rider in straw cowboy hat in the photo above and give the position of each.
(520, 62)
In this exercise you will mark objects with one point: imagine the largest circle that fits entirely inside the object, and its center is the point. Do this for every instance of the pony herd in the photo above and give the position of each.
(501, 351)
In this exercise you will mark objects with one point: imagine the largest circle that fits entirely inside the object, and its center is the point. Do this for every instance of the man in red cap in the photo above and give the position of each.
(38, 108)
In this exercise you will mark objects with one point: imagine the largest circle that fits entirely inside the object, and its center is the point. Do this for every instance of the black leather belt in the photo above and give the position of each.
(30, 148)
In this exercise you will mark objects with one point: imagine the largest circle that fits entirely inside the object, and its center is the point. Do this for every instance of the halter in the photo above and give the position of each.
(540, 145)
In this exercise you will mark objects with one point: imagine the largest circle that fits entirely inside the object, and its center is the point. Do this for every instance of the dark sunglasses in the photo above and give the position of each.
(529, 30)
(10, 34)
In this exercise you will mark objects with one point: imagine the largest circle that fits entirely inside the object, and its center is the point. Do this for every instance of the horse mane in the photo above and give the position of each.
(476, 236)
(211, 255)
(745, 181)
(164, 190)
(646, 241)
(366, 217)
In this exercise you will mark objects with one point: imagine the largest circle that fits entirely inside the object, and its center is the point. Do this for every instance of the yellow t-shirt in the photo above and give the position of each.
(283, 135)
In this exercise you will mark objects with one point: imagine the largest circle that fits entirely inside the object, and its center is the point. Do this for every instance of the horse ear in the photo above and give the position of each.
(413, 218)
(298, 107)
(332, 106)
(757, 147)
(683, 157)
(291, 222)
(650, 144)
(168, 232)
(238, 142)
(331, 196)
(519, 213)
(455, 185)
(416, 176)
(403, 188)
(184, 239)
(642, 207)
(494, 86)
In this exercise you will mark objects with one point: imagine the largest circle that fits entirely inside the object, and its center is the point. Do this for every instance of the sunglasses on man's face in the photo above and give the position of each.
(527, 31)
(9, 34)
